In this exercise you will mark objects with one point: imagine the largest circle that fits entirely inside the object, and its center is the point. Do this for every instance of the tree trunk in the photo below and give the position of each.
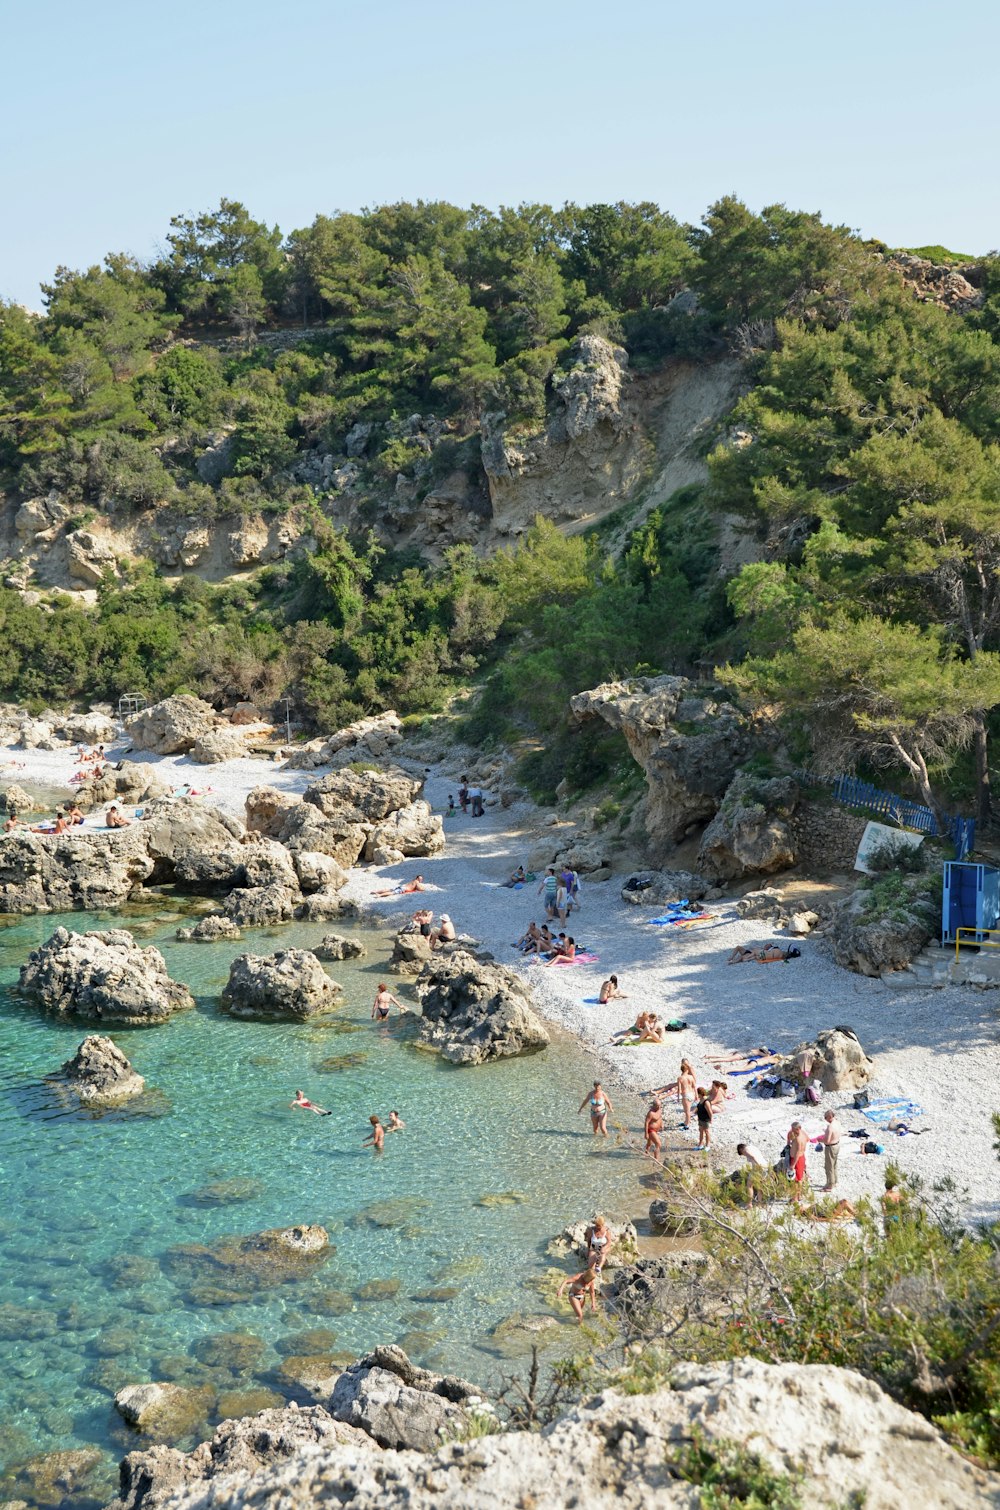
(917, 766)
(984, 801)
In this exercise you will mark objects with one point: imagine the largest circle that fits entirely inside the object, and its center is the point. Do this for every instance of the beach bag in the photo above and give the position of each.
(870, 1147)
(675, 1025)
(811, 1096)
(861, 1100)
(792, 952)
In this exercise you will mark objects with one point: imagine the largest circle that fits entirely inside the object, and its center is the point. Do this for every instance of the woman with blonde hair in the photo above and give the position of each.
(598, 1240)
(580, 1286)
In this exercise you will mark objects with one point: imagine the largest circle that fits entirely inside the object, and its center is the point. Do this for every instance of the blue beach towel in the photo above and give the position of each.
(892, 1108)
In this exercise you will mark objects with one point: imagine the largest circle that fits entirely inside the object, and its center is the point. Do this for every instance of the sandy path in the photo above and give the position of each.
(939, 1047)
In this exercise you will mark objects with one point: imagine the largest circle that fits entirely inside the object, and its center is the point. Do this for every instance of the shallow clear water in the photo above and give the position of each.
(80, 1192)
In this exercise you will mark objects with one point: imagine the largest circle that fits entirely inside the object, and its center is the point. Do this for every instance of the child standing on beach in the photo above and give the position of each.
(703, 1112)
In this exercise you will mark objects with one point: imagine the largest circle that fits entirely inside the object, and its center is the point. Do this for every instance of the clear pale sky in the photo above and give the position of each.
(882, 115)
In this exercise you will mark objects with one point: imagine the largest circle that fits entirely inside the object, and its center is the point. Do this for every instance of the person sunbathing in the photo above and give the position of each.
(653, 1032)
(114, 819)
(444, 933)
(761, 954)
(404, 888)
(517, 877)
(609, 991)
(637, 1028)
(75, 816)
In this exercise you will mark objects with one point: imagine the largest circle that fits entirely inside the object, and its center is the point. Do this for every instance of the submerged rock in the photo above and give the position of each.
(167, 1411)
(231, 1268)
(290, 984)
(229, 1192)
(99, 1074)
(102, 975)
(474, 1011)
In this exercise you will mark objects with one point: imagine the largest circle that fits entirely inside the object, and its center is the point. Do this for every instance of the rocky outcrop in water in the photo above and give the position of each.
(832, 1432)
(99, 1074)
(474, 1011)
(572, 1243)
(230, 1269)
(688, 741)
(752, 833)
(172, 726)
(210, 930)
(105, 976)
(74, 872)
(291, 984)
(335, 946)
(166, 1411)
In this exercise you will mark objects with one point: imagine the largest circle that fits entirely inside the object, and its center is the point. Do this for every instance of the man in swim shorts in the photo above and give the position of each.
(797, 1145)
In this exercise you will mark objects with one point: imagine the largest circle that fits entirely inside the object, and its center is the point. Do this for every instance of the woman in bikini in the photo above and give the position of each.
(684, 1087)
(598, 1240)
(609, 991)
(599, 1105)
(580, 1286)
(377, 1135)
(384, 999)
(718, 1095)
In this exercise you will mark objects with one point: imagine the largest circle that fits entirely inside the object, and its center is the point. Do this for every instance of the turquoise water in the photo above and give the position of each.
(91, 1297)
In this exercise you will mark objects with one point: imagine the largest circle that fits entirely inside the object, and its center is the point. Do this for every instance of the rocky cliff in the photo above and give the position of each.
(609, 439)
(826, 1432)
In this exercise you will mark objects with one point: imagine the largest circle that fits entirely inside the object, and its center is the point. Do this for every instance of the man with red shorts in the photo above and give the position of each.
(797, 1145)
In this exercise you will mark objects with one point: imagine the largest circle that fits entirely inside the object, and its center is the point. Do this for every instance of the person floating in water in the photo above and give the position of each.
(377, 1135)
(395, 1123)
(308, 1106)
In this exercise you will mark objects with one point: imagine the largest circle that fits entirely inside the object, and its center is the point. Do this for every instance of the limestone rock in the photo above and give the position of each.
(247, 544)
(937, 283)
(100, 1075)
(411, 831)
(320, 906)
(336, 946)
(267, 863)
(751, 834)
(572, 1241)
(830, 1426)
(317, 872)
(171, 727)
(474, 1011)
(688, 742)
(16, 800)
(655, 888)
(411, 951)
(168, 1411)
(196, 846)
(835, 1058)
(766, 903)
(89, 558)
(230, 1269)
(129, 784)
(291, 984)
(261, 906)
(360, 795)
(217, 745)
(210, 929)
(267, 810)
(242, 1447)
(215, 461)
(366, 739)
(102, 975)
(871, 938)
(400, 1405)
(72, 872)
(245, 713)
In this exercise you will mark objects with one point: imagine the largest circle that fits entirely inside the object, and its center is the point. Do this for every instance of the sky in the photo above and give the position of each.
(881, 115)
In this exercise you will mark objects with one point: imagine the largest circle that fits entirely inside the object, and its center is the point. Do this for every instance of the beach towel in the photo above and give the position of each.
(675, 915)
(892, 1109)
(591, 1001)
(578, 959)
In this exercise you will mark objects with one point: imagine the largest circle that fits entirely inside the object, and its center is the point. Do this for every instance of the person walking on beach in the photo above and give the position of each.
(463, 794)
(829, 1141)
(377, 1135)
(600, 1105)
(308, 1106)
(653, 1129)
(703, 1114)
(580, 1286)
(797, 1145)
(384, 999)
(609, 991)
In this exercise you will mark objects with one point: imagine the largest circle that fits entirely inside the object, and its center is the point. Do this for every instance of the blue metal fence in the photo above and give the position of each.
(854, 793)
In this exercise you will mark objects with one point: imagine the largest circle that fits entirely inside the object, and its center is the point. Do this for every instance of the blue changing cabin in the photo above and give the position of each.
(971, 899)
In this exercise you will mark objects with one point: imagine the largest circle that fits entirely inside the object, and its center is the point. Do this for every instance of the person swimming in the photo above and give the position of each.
(304, 1104)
